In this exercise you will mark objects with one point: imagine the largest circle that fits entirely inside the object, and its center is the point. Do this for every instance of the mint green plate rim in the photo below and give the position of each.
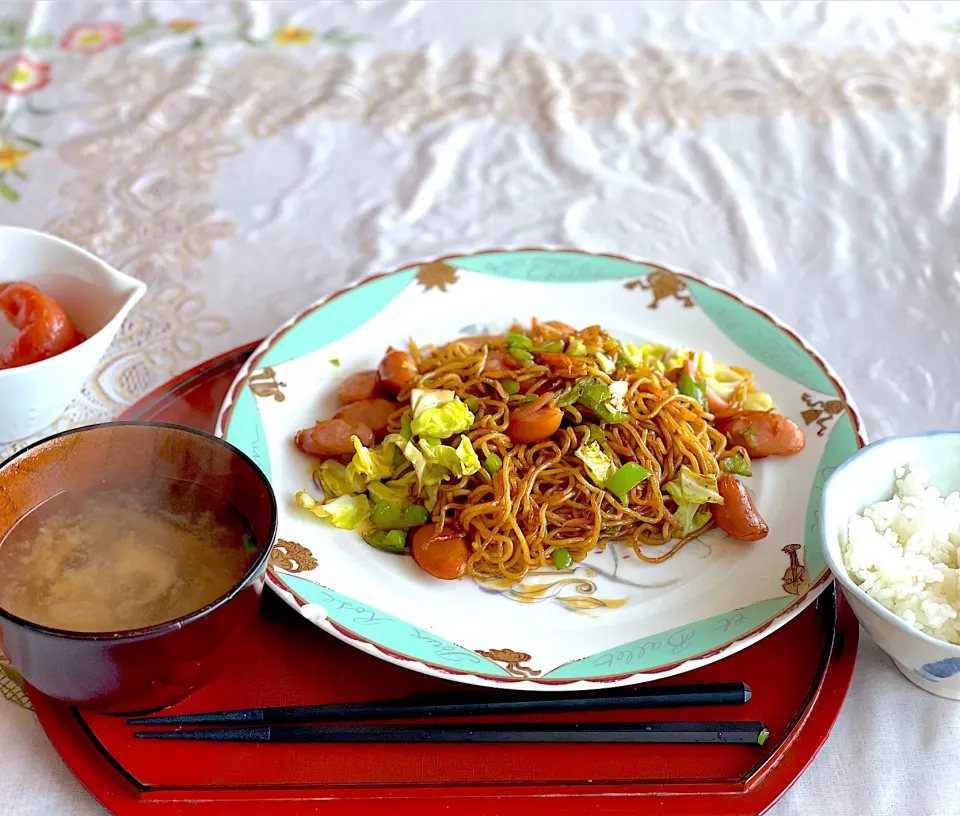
(291, 589)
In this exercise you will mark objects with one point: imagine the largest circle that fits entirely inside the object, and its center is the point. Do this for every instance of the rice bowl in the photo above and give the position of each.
(902, 552)
(881, 577)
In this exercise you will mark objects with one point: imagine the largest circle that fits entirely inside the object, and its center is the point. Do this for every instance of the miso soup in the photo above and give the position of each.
(110, 558)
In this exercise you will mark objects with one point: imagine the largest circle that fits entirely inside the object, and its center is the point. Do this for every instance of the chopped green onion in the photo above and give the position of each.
(493, 463)
(594, 392)
(249, 542)
(406, 431)
(518, 347)
(562, 558)
(386, 514)
(415, 515)
(522, 355)
(597, 434)
(555, 347)
(394, 541)
(571, 395)
(736, 464)
(606, 414)
(627, 477)
(473, 403)
(335, 361)
(751, 436)
(689, 387)
(595, 395)
(511, 386)
(519, 340)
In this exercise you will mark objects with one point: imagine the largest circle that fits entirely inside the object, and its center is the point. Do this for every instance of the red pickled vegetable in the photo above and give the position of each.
(45, 330)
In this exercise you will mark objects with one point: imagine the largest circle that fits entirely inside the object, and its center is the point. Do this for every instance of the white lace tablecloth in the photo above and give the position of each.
(246, 158)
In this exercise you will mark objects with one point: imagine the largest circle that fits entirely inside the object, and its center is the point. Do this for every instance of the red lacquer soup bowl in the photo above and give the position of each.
(136, 669)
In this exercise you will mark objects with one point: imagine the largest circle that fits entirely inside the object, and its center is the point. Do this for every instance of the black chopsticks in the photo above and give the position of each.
(713, 694)
(283, 724)
(743, 733)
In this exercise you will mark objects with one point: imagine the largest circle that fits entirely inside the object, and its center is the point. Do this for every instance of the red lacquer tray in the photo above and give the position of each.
(799, 677)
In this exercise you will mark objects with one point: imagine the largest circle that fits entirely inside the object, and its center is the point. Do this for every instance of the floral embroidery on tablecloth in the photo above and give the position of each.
(21, 75)
(92, 38)
(25, 74)
(292, 35)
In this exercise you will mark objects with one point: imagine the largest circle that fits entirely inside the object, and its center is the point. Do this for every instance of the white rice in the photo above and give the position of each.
(904, 554)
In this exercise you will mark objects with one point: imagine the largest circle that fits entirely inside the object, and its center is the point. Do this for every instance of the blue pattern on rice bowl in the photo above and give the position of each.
(941, 670)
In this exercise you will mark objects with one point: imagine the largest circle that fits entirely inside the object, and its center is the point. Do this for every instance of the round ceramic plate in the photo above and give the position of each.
(612, 619)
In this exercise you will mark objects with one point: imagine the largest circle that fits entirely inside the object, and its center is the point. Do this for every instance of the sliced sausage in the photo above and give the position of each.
(738, 515)
(562, 364)
(763, 433)
(359, 386)
(331, 438)
(443, 554)
(560, 326)
(477, 341)
(499, 360)
(397, 371)
(535, 422)
(374, 413)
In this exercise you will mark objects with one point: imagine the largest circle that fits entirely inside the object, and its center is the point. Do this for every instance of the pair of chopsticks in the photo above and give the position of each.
(283, 724)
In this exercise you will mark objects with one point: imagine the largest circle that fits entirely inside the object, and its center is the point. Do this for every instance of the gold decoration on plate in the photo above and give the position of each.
(264, 383)
(513, 661)
(663, 285)
(436, 275)
(795, 581)
(821, 412)
(292, 557)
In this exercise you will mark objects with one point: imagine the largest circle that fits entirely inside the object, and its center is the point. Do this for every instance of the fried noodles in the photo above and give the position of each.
(500, 455)
(541, 500)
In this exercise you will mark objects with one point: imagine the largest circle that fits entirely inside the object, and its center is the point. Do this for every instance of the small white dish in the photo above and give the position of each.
(96, 297)
(868, 477)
